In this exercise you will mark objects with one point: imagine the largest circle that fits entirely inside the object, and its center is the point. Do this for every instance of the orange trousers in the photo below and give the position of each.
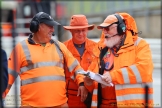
(75, 102)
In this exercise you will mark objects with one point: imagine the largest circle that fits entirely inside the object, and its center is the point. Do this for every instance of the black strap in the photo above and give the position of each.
(88, 100)
(102, 63)
(99, 96)
(101, 71)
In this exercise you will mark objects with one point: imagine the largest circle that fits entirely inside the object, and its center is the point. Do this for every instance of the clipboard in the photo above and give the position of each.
(95, 77)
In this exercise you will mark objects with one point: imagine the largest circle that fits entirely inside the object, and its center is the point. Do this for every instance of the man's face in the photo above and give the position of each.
(112, 40)
(79, 35)
(110, 30)
(45, 32)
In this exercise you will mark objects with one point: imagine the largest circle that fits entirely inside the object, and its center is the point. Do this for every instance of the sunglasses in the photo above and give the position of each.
(108, 28)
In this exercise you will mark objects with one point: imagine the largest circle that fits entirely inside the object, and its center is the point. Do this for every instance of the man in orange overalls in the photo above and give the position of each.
(81, 47)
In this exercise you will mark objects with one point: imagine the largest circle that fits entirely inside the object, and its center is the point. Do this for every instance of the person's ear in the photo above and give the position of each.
(40, 27)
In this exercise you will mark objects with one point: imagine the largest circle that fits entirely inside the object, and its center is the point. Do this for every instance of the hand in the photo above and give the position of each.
(106, 77)
(88, 81)
(83, 92)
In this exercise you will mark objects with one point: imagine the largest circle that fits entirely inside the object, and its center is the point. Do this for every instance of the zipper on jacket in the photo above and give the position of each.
(82, 55)
(127, 46)
(80, 59)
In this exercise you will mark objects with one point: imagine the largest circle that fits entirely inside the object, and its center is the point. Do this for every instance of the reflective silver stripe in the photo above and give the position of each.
(126, 86)
(58, 49)
(42, 78)
(137, 41)
(73, 65)
(40, 64)
(78, 70)
(9, 86)
(13, 73)
(26, 52)
(125, 75)
(94, 104)
(75, 73)
(95, 92)
(133, 96)
(136, 73)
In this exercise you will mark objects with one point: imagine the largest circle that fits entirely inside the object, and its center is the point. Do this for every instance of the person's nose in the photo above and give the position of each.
(104, 30)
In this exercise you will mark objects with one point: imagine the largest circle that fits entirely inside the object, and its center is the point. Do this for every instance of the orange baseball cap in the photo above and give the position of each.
(110, 19)
(79, 22)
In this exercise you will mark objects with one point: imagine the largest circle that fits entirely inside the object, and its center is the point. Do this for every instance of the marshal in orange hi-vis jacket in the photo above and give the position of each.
(82, 49)
(42, 74)
(131, 72)
(39, 61)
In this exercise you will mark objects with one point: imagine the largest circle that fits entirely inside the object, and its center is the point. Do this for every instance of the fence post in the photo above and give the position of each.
(146, 96)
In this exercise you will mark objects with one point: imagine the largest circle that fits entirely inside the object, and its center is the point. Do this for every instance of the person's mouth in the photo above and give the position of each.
(80, 36)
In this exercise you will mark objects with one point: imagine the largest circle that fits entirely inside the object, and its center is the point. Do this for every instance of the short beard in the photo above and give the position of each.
(112, 41)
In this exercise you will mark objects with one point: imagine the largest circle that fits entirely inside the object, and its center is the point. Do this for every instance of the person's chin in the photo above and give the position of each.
(109, 46)
(47, 40)
(82, 41)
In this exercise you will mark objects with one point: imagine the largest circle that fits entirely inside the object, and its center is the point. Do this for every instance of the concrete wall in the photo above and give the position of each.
(150, 28)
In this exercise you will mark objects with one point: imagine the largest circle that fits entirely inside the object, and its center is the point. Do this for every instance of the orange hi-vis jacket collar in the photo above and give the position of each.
(132, 69)
(71, 47)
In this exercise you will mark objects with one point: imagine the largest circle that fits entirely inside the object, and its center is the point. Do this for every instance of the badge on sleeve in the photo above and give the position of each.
(106, 65)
